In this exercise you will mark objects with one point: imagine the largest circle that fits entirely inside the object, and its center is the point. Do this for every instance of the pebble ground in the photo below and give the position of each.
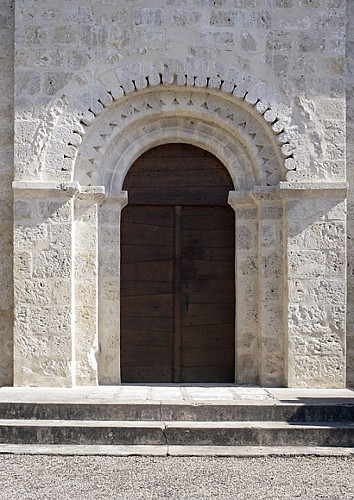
(62, 477)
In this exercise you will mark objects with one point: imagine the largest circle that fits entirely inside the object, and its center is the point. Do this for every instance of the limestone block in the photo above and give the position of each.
(56, 370)
(31, 236)
(51, 321)
(261, 19)
(54, 211)
(279, 41)
(325, 235)
(272, 264)
(85, 265)
(224, 38)
(23, 263)
(52, 264)
(248, 266)
(60, 236)
(148, 16)
(245, 237)
(23, 209)
(60, 292)
(184, 17)
(308, 318)
(86, 292)
(110, 289)
(32, 292)
(86, 237)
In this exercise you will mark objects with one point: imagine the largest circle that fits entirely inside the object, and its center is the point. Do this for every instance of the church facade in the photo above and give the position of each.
(176, 196)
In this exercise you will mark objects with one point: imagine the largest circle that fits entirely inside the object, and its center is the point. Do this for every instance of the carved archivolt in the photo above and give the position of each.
(95, 111)
(148, 118)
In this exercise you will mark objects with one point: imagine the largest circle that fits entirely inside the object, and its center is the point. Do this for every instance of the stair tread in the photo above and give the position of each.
(172, 450)
(173, 424)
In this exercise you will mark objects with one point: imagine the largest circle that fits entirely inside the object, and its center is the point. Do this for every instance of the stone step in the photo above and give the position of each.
(187, 433)
(174, 451)
(341, 411)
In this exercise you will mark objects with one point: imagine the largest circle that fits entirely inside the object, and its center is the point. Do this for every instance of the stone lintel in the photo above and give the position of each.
(37, 189)
(332, 188)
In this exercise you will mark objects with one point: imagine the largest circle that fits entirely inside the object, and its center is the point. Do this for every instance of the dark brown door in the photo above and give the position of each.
(177, 269)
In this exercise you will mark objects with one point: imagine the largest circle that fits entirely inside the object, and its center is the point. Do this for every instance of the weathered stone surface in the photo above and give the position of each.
(266, 86)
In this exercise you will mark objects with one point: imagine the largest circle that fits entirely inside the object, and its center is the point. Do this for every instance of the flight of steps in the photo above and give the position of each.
(180, 428)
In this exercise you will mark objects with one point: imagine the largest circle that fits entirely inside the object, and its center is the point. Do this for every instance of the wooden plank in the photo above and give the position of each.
(208, 291)
(206, 356)
(209, 374)
(201, 269)
(146, 253)
(177, 298)
(150, 215)
(155, 271)
(147, 374)
(147, 294)
(199, 239)
(208, 283)
(213, 218)
(151, 338)
(178, 195)
(133, 288)
(148, 306)
(146, 355)
(151, 235)
(207, 314)
(149, 324)
(177, 177)
(176, 150)
(203, 174)
(208, 336)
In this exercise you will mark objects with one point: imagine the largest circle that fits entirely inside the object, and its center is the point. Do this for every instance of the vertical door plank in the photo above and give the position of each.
(147, 324)
(208, 294)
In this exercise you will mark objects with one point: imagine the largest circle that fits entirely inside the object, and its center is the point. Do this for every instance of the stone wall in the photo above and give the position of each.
(350, 177)
(6, 175)
(87, 81)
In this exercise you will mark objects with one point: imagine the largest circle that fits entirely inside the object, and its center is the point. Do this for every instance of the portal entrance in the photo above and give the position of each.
(177, 269)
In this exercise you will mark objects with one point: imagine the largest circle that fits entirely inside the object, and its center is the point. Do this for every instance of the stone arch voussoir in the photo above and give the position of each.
(87, 103)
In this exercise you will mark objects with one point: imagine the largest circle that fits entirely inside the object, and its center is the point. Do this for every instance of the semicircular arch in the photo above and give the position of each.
(251, 153)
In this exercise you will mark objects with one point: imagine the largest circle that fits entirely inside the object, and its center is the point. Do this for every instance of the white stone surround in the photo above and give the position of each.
(259, 84)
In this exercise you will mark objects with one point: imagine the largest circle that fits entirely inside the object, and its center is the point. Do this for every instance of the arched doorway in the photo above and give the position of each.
(177, 269)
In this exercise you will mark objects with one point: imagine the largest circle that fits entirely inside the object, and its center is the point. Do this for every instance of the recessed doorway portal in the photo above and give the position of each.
(177, 269)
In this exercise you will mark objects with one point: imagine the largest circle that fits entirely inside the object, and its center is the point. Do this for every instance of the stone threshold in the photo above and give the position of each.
(173, 451)
(175, 393)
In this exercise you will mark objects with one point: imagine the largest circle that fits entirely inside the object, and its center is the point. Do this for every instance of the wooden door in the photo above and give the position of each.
(177, 269)
(208, 294)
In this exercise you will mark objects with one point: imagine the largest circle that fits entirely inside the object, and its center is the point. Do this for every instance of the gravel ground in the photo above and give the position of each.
(59, 477)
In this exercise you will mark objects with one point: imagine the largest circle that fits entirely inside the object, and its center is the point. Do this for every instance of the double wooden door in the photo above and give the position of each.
(177, 284)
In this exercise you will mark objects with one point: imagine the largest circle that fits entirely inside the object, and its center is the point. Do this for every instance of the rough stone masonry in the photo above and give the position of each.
(267, 86)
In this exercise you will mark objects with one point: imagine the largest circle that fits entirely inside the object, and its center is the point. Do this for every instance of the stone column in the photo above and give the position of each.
(43, 280)
(109, 287)
(86, 285)
(271, 287)
(316, 276)
(246, 288)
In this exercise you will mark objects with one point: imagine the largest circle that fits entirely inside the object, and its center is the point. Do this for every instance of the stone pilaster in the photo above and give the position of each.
(246, 288)
(316, 283)
(43, 279)
(86, 285)
(271, 287)
(109, 287)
